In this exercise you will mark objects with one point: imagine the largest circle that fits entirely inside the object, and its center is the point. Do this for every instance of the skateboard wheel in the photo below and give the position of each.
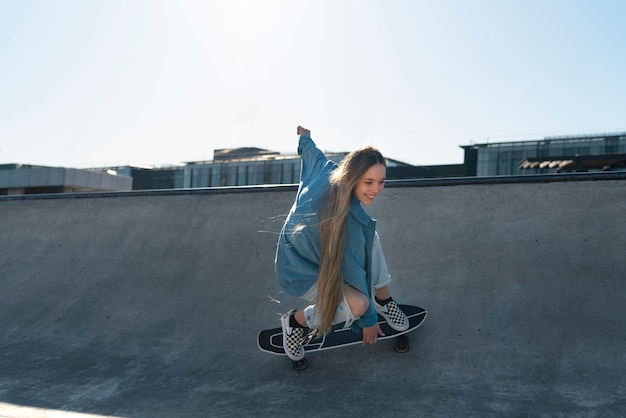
(300, 365)
(401, 345)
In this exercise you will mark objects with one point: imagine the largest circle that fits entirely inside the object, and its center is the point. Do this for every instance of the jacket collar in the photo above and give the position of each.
(356, 209)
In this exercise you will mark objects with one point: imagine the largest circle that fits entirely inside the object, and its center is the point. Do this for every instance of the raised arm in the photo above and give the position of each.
(313, 159)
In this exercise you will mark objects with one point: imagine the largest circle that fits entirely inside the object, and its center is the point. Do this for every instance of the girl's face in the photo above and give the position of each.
(370, 184)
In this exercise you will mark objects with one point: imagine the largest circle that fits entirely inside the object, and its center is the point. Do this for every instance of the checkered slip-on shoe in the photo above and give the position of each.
(393, 315)
(292, 339)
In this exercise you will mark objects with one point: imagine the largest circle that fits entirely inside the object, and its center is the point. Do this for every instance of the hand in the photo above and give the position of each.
(303, 131)
(371, 334)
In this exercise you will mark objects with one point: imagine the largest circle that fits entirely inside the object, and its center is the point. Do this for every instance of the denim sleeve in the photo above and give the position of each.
(313, 160)
(355, 275)
(369, 318)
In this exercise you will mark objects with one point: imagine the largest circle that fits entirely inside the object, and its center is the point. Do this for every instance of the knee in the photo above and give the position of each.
(358, 303)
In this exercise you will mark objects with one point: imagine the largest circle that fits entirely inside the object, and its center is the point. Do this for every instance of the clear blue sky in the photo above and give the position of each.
(86, 83)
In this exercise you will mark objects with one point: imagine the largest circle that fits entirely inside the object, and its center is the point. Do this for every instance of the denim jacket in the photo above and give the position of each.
(298, 252)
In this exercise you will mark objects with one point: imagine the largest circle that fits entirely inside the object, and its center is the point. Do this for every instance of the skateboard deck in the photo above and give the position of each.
(271, 340)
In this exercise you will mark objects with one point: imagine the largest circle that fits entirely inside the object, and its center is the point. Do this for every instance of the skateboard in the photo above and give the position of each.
(271, 340)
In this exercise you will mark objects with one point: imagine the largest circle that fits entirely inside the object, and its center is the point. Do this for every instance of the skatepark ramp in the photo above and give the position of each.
(148, 304)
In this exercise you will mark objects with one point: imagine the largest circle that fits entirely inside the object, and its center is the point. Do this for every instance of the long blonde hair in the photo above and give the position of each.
(333, 211)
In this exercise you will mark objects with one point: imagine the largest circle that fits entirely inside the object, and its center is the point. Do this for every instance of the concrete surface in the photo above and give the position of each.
(148, 305)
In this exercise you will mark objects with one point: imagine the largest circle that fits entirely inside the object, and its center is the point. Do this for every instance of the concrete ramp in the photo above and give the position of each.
(148, 305)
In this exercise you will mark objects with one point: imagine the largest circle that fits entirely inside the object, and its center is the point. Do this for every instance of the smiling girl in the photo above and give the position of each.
(328, 249)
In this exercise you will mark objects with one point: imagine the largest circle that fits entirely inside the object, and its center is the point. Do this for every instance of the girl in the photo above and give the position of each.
(328, 250)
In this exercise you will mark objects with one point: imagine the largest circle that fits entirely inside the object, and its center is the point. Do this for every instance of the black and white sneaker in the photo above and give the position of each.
(292, 339)
(393, 315)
